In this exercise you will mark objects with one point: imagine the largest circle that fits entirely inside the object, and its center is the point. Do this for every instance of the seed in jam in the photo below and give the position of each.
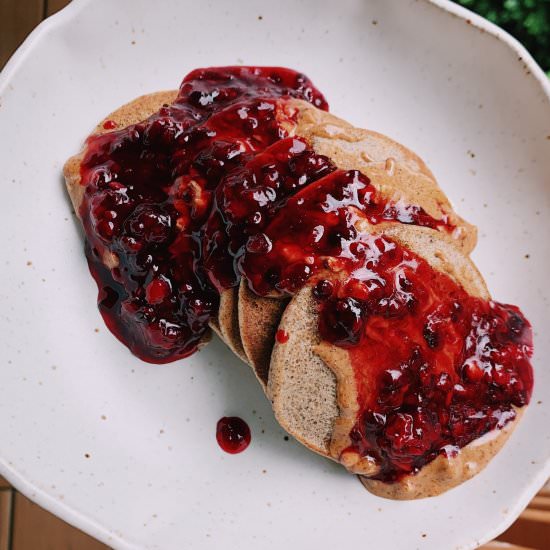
(323, 289)
(233, 434)
(431, 337)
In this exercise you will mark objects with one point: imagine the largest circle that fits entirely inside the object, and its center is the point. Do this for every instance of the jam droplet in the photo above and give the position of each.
(109, 125)
(233, 434)
(281, 336)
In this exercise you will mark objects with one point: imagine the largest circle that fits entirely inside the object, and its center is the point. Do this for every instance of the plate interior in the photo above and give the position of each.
(126, 450)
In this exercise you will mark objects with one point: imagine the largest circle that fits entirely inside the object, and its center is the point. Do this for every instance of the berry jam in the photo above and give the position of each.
(248, 198)
(214, 187)
(232, 434)
(317, 231)
(444, 367)
(152, 192)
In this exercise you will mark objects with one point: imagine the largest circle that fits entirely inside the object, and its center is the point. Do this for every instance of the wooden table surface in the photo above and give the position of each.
(26, 526)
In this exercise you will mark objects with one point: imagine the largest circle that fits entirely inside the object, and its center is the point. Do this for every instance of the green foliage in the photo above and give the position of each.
(527, 20)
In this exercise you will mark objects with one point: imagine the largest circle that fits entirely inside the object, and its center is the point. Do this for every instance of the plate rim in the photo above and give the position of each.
(97, 529)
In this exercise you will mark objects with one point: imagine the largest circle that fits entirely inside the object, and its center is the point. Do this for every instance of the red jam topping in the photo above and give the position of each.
(232, 434)
(152, 187)
(248, 198)
(178, 207)
(444, 368)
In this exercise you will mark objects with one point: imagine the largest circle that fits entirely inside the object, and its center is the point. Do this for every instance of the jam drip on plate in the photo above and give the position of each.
(233, 434)
(214, 187)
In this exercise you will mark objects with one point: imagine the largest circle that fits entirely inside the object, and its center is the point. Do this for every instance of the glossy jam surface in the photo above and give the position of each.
(152, 200)
(214, 187)
(444, 368)
(317, 231)
(249, 198)
(233, 434)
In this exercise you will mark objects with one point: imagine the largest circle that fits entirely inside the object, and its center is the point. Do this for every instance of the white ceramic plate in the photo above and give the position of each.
(125, 450)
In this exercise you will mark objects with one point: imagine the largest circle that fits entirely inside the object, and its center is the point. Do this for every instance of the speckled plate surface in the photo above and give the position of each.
(126, 450)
